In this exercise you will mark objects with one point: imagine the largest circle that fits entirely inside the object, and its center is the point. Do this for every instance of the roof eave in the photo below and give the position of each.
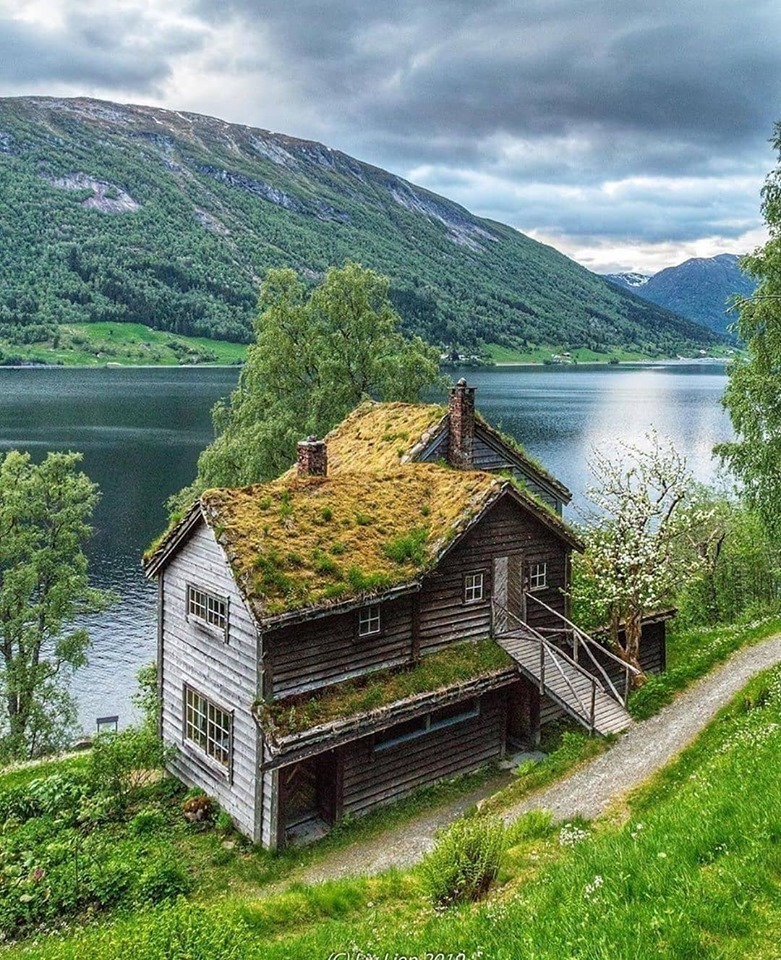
(163, 553)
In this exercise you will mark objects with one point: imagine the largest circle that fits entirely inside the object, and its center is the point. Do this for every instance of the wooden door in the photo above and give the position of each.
(508, 592)
(298, 786)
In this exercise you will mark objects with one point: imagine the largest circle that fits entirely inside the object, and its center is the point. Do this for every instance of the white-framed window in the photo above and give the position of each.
(538, 575)
(448, 716)
(474, 586)
(369, 621)
(208, 726)
(207, 608)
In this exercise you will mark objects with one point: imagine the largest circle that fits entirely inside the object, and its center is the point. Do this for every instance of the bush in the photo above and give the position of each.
(164, 880)
(465, 861)
(147, 822)
(120, 762)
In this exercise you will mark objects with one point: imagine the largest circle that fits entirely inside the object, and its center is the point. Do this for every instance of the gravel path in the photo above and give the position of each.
(640, 752)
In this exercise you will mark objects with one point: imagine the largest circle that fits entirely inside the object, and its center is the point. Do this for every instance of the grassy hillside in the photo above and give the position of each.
(132, 214)
(689, 868)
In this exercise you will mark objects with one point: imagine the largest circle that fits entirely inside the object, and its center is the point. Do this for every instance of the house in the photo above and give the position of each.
(390, 611)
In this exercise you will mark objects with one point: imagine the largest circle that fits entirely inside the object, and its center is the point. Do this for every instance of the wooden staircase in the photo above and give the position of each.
(590, 699)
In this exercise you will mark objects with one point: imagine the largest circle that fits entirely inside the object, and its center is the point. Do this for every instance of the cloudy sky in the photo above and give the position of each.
(629, 135)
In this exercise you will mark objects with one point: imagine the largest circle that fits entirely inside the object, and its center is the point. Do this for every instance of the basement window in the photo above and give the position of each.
(448, 716)
(208, 727)
(538, 576)
(208, 609)
(369, 622)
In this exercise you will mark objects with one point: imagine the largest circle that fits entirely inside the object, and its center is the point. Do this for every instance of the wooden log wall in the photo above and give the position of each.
(224, 671)
(507, 530)
(372, 778)
(490, 455)
(308, 655)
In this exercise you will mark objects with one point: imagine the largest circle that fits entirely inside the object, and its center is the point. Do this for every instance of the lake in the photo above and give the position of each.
(141, 431)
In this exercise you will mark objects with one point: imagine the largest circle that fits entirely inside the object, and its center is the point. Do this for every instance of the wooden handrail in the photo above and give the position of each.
(586, 642)
(557, 654)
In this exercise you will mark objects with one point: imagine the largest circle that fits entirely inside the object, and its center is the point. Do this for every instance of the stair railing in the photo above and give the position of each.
(555, 654)
(582, 641)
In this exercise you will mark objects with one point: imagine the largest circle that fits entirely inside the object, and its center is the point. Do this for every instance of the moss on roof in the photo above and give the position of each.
(296, 542)
(459, 663)
(380, 436)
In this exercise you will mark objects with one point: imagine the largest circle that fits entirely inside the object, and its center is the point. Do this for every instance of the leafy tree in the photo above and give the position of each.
(753, 394)
(316, 356)
(634, 557)
(45, 511)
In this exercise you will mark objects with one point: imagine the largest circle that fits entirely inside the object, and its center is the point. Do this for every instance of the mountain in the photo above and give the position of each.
(697, 289)
(136, 214)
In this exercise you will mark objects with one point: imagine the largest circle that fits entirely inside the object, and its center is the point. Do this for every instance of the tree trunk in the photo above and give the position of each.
(633, 630)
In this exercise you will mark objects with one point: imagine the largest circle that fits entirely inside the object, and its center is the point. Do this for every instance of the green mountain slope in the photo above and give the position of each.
(134, 214)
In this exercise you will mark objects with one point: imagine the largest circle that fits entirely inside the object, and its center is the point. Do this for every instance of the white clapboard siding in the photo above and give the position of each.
(225, 671)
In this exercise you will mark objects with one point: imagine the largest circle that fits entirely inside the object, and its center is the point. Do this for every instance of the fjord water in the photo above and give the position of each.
(141, 431)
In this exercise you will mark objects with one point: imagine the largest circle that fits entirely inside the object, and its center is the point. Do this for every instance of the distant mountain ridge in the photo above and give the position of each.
(698, 289)
(137, 214)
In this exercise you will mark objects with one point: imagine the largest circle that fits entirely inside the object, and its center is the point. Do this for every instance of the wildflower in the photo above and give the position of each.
(570, 835)
(591, 888)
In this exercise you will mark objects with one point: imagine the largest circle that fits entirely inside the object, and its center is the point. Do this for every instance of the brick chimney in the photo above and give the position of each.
(461, 417)
(312, 458)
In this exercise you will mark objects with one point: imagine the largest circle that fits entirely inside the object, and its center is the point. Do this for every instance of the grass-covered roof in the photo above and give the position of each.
(458, 664)
(296, 542)
(381, 436)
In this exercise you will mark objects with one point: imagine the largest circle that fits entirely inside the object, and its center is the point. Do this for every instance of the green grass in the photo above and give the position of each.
(693, 652)
(695, 870)
(134, 344)
(13, 777)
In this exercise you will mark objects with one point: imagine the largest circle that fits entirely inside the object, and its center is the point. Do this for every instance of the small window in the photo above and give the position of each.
(207, 608)
(538, 576)
(369, 621)
(444, 717)
(208, 727)
(455, 713)
(474, 587)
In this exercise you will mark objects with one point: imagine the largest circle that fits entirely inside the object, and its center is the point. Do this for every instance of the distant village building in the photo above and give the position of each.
(391, 611)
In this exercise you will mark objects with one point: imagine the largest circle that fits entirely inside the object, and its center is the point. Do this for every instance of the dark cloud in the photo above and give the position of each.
(529, 111)
(115, 50)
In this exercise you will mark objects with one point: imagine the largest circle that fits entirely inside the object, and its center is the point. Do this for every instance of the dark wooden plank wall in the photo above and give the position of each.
(487, 454)
(373, 778)
(507, 530)
(323, 651)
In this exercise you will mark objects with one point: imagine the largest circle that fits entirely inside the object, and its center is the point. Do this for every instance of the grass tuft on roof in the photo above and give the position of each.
(383, 531)
(459, 663)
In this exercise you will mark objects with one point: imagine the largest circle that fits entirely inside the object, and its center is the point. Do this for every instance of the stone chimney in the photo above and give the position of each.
(312, 458)
(461, 417)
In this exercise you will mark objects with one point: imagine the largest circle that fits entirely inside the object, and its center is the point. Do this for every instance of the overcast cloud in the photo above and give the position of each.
(629, 135)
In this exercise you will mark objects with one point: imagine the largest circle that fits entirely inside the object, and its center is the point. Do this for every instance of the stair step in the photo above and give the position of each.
(567, 683)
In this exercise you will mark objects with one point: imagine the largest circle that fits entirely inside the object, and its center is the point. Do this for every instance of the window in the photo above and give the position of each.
(445, 717)
(474, 587)
(208, 609)
(368, 621)
(208, 727)
(538, 576)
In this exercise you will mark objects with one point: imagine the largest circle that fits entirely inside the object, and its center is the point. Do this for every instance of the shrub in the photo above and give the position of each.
(120, 762)
(163, 880)
(147, 822)
(223, 822)
(465, 861)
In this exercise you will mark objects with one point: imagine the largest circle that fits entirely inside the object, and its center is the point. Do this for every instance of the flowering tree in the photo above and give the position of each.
(639, 537)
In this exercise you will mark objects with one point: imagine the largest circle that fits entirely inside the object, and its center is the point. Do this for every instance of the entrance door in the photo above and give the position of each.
(308, 790)
(508, 592)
